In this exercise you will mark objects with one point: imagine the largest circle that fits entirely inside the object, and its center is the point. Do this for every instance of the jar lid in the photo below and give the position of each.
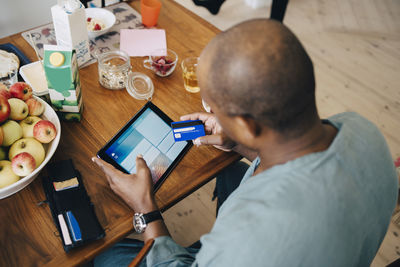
(139, 86)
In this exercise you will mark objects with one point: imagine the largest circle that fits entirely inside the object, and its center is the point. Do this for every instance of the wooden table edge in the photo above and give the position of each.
(125, 226)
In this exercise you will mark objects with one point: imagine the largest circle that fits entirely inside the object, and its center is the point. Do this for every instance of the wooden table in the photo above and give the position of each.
(28, 236)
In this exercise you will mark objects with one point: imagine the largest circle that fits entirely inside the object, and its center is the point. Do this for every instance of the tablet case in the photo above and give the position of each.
(70, 205)
(149, 105)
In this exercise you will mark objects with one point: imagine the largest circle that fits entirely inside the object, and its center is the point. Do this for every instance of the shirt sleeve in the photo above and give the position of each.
(165, 252)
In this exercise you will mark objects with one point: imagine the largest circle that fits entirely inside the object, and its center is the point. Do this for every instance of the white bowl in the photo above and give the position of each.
(49, 114)
(107, 17)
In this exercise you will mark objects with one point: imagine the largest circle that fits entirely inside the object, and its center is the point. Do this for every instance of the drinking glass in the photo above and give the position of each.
(150, 9)
(189, 68)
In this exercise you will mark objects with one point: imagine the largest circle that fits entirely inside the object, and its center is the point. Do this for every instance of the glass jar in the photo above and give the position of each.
(114, 67)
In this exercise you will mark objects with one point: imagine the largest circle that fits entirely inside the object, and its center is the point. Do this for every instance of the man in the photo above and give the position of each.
(319, 193)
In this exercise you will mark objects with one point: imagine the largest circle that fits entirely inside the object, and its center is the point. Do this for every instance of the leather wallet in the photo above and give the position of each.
(73, 212)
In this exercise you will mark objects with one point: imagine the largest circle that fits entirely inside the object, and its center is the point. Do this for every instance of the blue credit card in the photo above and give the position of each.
(73, 226)
(187, 130)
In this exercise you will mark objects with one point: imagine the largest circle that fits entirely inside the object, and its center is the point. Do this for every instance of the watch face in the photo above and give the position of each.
(138, 223)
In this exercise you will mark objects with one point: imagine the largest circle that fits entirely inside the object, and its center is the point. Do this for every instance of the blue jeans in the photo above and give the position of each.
(122, 253)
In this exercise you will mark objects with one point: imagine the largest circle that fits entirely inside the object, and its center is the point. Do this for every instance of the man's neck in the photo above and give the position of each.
(317, 139)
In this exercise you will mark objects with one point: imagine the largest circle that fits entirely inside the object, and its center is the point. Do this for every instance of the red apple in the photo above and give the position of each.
(29, 145)
(4, 108)
(35, 107)
(5, 93)
(21, 90)
(23, 164)
(44, 131)
(27, 125)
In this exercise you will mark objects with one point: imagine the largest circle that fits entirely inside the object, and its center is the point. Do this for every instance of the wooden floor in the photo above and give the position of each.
(355, 47)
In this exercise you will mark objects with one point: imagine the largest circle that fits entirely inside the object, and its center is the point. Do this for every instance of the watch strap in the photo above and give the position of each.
(152, 216)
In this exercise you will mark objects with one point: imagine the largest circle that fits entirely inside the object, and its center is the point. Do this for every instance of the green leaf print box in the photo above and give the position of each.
(61, 68)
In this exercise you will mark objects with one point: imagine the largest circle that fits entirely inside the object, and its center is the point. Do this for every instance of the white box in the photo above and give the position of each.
(69, 21)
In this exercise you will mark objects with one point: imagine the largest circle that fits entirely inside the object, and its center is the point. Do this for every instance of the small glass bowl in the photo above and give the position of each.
(162, 62)
(114, 67)
(139, 86)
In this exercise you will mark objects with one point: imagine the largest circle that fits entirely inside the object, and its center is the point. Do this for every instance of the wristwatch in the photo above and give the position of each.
(140, 220)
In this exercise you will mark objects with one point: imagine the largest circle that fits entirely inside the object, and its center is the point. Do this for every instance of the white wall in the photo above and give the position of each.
(20, 15)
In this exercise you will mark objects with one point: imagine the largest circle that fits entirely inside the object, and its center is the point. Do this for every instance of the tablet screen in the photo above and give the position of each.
(151, 136)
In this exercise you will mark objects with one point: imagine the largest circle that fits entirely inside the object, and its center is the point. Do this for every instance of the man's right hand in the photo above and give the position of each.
(214, 133)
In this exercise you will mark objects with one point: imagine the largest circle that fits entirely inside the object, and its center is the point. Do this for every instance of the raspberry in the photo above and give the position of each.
(88, 19)
(167, 67)
(97, 27)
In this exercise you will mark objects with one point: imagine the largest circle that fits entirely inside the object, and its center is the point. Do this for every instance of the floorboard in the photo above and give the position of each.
(355, 47)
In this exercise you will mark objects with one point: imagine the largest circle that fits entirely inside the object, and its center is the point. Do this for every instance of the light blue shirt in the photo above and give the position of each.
(330, 208)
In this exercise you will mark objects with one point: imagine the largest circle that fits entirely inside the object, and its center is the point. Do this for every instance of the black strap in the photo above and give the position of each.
(152, 216)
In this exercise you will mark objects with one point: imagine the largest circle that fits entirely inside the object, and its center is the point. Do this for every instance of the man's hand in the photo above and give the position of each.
(135, 189)
(215, 135)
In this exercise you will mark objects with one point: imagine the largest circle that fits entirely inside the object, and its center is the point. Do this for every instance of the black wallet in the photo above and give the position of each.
(70, 205)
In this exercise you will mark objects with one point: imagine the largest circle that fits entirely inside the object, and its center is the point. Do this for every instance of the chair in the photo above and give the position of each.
(278, 9)
(142, 253)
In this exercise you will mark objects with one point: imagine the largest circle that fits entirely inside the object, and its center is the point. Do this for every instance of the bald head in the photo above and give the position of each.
(259, 69)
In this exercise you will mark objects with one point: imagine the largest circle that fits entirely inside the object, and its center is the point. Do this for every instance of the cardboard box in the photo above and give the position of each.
(62, 75)
(69, 21)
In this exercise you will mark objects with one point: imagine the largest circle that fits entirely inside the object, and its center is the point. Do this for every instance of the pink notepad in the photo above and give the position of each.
(139, 43)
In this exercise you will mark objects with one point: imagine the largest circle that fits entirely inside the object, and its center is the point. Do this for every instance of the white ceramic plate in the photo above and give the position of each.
(49, 114)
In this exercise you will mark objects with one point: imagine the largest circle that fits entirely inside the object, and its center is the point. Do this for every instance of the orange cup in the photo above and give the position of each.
(150, 10)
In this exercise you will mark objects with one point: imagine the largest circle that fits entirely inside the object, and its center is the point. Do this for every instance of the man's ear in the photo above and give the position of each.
(249, 129)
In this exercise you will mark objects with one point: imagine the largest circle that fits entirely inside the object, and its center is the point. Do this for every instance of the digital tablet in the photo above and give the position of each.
(148, 133)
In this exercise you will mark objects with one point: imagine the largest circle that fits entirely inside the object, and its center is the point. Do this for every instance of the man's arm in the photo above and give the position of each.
(216, 137)
(137, 191)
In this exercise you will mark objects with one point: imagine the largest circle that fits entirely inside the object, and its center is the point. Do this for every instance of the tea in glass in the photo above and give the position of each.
(189, 68)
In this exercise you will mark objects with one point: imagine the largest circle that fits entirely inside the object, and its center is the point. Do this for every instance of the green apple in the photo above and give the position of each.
(3, 153)
(19, 109)
(30, 145)
(7, 176)
(27, 125)
(12, 131)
